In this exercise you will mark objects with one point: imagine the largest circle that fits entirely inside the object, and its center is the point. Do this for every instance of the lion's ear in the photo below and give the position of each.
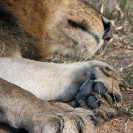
(107, 29)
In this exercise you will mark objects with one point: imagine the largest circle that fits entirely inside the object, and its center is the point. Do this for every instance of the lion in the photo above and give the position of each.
(32, 92)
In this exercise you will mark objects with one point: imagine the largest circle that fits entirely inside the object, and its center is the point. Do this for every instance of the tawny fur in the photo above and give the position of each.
(46, 24)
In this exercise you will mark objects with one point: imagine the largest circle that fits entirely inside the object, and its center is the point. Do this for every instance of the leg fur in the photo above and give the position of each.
(48, 81)
(21, 109)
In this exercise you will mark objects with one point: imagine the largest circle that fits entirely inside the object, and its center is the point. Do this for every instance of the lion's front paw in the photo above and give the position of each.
(100, 91)
(70, 120)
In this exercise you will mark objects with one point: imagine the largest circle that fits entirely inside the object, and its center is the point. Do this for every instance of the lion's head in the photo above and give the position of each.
(67, 27)
(76, 27)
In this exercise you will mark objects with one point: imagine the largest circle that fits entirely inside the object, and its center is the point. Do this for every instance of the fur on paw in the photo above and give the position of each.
(72, 120)
(100, 92)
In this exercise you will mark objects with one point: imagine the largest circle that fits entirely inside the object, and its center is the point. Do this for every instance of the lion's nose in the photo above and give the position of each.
(107, 29)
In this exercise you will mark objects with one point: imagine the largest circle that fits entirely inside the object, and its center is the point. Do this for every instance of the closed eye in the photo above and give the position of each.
(76, 25)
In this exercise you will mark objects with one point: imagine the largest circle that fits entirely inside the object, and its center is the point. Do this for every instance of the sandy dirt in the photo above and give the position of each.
(123, 123)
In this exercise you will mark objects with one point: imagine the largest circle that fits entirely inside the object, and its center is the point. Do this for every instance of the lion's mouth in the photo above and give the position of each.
(77, 25)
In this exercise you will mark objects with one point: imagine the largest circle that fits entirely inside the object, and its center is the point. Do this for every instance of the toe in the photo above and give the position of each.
(100, 88)
(93, 102)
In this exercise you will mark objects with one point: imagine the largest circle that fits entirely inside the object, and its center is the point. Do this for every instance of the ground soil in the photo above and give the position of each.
(123, 123)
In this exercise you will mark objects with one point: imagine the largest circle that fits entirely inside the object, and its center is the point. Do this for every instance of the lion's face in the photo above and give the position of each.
(75, 27)
(67, 27)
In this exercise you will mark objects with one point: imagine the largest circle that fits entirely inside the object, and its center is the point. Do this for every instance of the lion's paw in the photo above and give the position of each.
(100, 92)
(70, 120)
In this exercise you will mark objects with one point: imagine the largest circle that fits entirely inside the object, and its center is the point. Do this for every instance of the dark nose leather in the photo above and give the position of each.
(107, 30)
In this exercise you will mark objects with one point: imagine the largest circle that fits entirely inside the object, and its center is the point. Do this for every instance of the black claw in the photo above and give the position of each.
(100, 88)
(115, 97)
(94, 119)
(92, 102)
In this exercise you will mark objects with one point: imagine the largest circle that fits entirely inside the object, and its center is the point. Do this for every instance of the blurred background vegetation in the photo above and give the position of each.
(115, 9)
